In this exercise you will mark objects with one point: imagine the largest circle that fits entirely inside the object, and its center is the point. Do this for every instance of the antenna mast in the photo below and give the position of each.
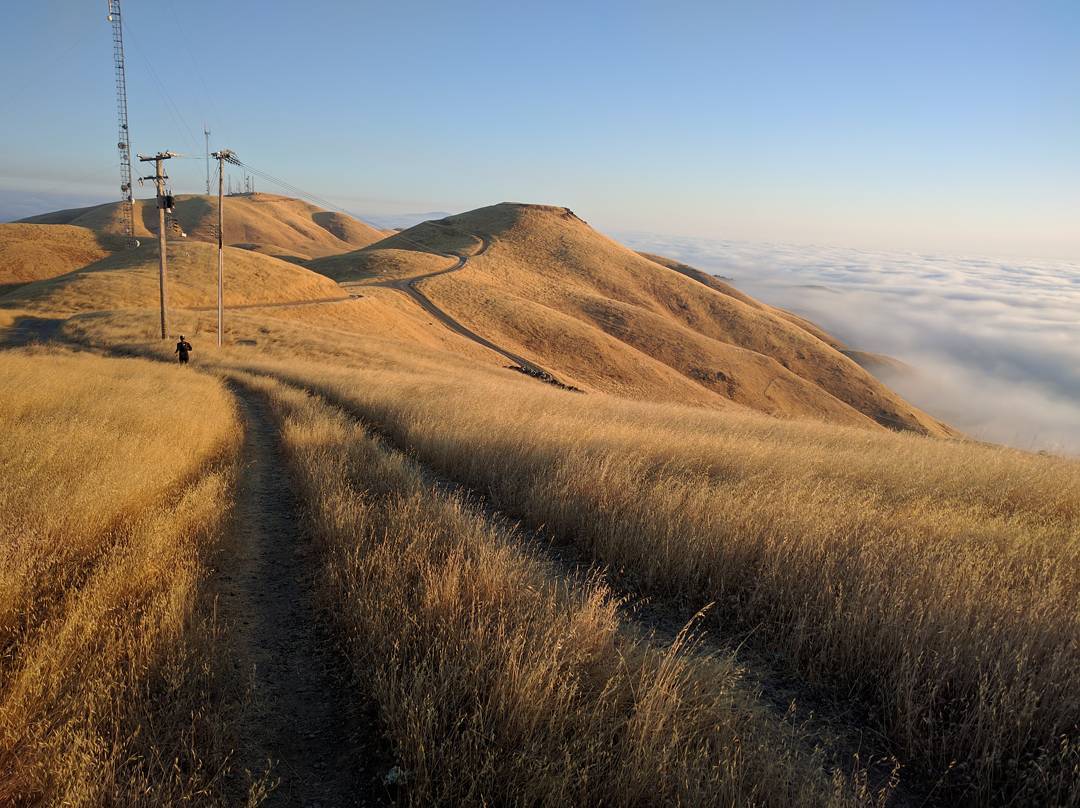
(124, 141)
(206, 134)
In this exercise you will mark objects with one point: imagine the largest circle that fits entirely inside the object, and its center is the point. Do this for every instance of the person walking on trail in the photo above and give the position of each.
(183, 348)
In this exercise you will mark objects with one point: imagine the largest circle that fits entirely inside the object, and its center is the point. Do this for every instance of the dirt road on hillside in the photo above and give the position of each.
(410, 287)
(846, 731)
(286, 304)
(28, 330)
(299, 721)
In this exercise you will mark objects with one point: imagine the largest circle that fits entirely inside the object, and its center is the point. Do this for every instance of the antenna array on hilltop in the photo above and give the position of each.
(165, 198)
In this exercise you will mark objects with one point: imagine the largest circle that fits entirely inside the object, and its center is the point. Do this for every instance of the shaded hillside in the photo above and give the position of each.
(267, 223)
(878, 364)
(31, 252)
(129, 279)
(543, 283)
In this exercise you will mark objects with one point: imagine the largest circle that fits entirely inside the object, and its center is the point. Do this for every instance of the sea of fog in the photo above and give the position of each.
(995, 343)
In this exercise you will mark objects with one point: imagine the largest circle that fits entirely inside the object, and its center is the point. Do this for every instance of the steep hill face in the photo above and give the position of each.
(31, 252)
(266, 223)
(544, 284)
(878, 364)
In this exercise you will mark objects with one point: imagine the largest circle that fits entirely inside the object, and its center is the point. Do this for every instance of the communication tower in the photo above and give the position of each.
(124, 140)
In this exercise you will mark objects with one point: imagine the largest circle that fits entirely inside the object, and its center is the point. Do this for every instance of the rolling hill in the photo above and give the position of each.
(850, 587)
(31, 252)
(542, 283)
(531, 285)
(266, 223)
(129, 279)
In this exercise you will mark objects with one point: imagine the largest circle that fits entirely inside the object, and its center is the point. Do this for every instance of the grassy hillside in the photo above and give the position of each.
(546, 285)
(113, 683)
(487, 663)
(129, 279)
(271, 224)
(32, 252)
(934, 582)
(736, 570)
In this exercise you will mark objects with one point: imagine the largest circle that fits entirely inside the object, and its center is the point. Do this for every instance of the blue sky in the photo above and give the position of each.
(906, 125)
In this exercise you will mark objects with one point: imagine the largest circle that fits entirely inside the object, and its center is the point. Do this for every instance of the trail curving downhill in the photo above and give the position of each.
(410, 287)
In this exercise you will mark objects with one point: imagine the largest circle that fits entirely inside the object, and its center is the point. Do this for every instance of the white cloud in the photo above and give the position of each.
(996, 343)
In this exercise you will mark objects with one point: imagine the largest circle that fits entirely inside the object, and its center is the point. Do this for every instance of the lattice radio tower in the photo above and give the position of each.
(124, 141)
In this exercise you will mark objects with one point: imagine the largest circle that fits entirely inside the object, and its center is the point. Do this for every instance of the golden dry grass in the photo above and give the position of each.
(277, 225)
(500, 682)
(117, 475)
(382, 329)
(933, 581)
(937, 581)
(32, 252)
(605, 318)
(129, 279)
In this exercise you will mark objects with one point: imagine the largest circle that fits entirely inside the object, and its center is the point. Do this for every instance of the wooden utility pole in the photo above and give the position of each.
(164, 203)
(222, 157)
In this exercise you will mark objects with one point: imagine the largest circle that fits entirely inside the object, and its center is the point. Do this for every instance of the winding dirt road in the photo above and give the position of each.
(410, 287)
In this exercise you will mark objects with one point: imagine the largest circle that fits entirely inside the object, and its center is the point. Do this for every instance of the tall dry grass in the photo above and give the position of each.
(117, 475)
(500, 681)
(936, 581)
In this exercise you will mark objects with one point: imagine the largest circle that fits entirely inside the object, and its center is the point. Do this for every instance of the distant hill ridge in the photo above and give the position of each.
(267, 223)
(602, 317)
(534, 284)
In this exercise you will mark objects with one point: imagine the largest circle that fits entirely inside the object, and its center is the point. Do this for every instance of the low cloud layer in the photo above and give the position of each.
(996, 343)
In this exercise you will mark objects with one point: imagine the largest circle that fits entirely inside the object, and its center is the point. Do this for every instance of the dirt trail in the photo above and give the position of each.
(28, 330)
(410, 287)
(285, 304)
(299, 719)
(842, 729)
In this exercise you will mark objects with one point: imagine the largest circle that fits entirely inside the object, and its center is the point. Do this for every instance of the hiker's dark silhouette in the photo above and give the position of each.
(183, 348)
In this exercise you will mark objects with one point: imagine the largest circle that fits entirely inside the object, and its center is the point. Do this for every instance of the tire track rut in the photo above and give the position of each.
(846, 736)
(297, 726)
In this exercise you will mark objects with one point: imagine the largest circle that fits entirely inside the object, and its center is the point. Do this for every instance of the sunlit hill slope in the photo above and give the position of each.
(531, 283)
(545, 284)
(276, 225)
(878, 612)
(30, 252)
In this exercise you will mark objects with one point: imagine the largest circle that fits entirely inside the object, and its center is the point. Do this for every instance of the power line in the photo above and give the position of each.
(184, 39)
(293, 189)
(170, 105)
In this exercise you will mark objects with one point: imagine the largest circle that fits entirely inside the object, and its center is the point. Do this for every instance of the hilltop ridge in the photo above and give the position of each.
(543, 283)
(533, 285)
(276, 225)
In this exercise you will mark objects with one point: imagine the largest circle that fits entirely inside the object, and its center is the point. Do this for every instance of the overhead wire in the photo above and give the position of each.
(293, 189)
(184, 39)
(171, 107)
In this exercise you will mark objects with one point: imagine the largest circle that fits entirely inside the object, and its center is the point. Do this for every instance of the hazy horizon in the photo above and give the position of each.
(993, 344)
(915, 128)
